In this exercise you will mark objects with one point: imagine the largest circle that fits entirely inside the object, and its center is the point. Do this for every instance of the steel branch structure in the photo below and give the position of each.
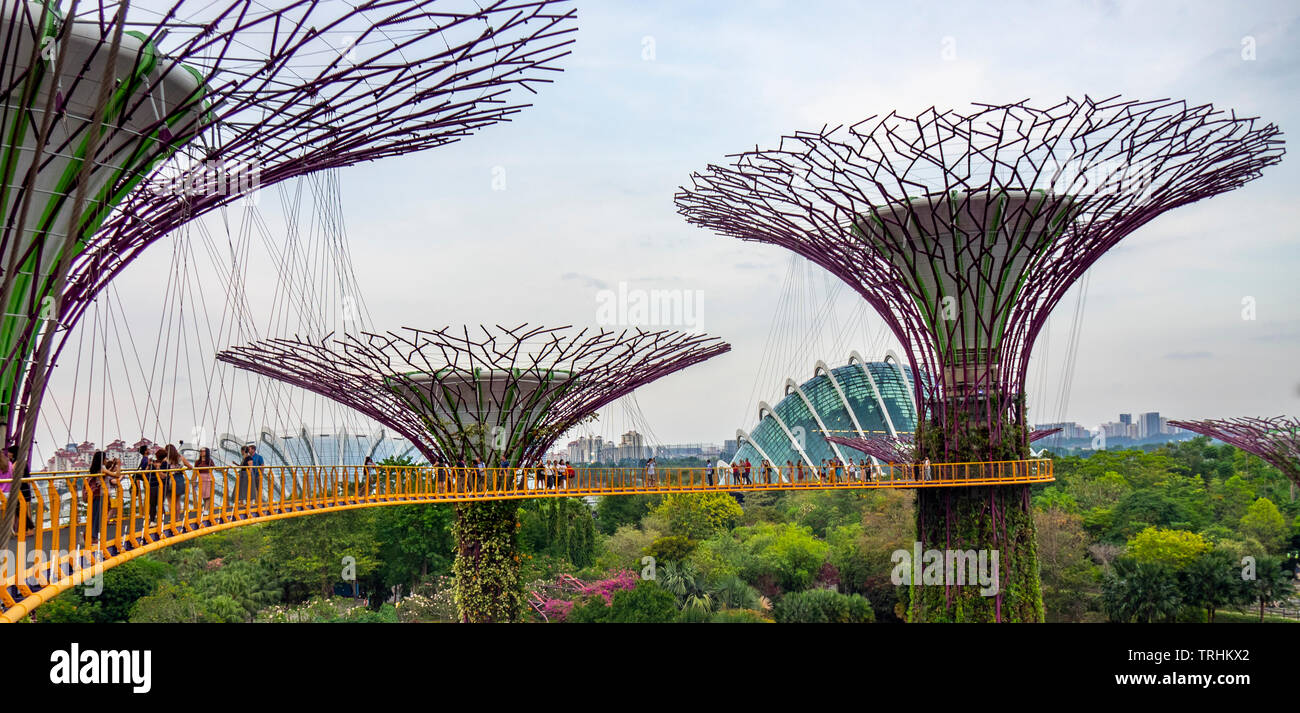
(122, 123)
(964, 230)
(1040, 433)
(902, 449)
(1276, 440)
(885, 449)
(495, 393)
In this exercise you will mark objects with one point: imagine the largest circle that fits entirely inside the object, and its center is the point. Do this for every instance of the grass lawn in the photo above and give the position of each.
(1232, 617)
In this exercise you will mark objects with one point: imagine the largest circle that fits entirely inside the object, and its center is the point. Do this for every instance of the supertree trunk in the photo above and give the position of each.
(992, 518)
(981, 519)
(488, 586)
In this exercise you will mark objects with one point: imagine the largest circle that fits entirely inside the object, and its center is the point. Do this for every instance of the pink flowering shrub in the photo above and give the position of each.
(605, 588)
(556, 610)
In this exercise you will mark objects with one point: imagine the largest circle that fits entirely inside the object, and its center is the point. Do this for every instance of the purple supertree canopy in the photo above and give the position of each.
(885, 449)
(1275, 440)
(491, 393)
(1039, 434)
(965, 230)
(889, 449)
(212, 100)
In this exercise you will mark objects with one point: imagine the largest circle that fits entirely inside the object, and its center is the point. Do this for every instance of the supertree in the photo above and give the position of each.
(121, 124)
(496, 394)
(1275, 440)
(964, 230)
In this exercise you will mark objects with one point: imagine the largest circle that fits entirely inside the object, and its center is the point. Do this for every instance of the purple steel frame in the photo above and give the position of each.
(291, 90)
(1275, 440)
(415, 382)
(854, 202)
(888, 449)
(885, 449)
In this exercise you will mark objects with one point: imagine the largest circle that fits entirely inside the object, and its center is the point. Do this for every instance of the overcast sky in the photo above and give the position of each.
(656, 90)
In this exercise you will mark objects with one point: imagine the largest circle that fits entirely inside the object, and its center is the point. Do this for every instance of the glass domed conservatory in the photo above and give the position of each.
(859, 400)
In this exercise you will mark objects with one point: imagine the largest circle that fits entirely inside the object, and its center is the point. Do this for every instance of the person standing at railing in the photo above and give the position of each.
(95, 484)
(926, 468)
(113, 471)
(368, 469)
(767, 472)
(650, 478)
(257, 463)
(204, 466)
(708, 473)
(6, 478)
(242, 475)
(480, 474)
(178, 465)
(139, 499)
(159, 486)
(24, 488)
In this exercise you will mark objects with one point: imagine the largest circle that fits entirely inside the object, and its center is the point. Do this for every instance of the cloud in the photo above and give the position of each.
(585, 280)
(1184, 356)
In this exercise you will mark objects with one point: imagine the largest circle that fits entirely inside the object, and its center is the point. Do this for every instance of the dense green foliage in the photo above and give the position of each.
(823, 606)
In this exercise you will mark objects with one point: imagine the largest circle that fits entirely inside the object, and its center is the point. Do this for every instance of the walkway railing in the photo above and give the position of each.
(72, 526)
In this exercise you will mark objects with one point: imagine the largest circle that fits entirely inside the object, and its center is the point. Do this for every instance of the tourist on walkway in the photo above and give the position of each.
(746, 470)
(204, 466)
(159, 486)
(96, 484)
(178, 465)
(6, 477)
(650, 478)
(243, 476)
(256, 463)
(24, 487)
(708, 472)
(139, 499)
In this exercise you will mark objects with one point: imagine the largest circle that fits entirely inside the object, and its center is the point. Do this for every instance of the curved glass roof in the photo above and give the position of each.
(806, 440)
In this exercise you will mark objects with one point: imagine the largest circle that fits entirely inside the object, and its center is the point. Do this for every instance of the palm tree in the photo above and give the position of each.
(734, 593)
(1212, 581)
(1145, 592)
(686, 583)
(1272, 582)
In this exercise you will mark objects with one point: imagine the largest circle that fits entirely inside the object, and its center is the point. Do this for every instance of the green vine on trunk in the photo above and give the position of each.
(488, 585)
(985, 518)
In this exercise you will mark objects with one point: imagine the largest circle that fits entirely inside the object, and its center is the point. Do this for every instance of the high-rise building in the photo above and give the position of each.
(1126, 418)
(631, 446)
(1149, 424)
(586, 449)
